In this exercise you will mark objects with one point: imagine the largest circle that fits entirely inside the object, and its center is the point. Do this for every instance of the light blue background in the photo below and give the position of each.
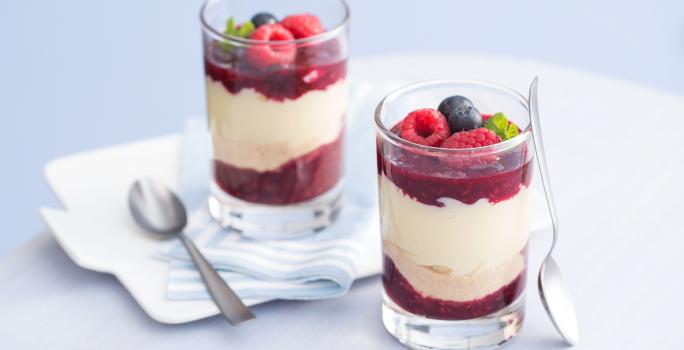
(76, 75)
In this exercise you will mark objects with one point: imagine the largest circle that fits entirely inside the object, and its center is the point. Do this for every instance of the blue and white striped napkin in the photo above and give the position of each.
(317, 266)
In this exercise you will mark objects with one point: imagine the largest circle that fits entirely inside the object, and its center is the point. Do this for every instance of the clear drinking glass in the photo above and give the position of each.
(276, 116)
(454, 223)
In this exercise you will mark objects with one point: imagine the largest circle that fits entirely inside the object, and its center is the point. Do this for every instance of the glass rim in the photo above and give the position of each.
(524, 135)
(326, 35)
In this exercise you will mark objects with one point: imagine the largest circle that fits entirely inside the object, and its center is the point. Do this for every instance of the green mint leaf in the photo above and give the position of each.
(499, 119)
(243, 31)
(501, 126)
(512, 131)
(497, 123)
(230, 27)
(246, 29)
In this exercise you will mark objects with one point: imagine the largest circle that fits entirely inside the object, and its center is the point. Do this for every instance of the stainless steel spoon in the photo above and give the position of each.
(553, 293)
(158, 210)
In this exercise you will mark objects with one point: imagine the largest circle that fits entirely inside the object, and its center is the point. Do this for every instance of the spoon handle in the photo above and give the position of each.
(227, 301)
(541, 159)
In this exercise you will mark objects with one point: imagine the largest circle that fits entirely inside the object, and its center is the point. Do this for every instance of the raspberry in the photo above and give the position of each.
(425, 127)
(326, 52)
(264, 55)
(303, 25)
(471, 139)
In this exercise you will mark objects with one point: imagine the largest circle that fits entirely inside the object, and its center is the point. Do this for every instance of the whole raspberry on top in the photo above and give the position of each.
(266, 55)
(303, 25)
(425, 126)
(473, 138)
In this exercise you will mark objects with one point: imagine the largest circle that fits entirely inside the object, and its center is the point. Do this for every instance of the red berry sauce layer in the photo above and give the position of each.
(398, 288)
(315, 68)
(300, 179)
(427, 179)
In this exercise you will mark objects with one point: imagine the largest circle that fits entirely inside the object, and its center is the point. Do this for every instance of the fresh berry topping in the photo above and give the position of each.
(471, 139)
(264, 55)
(263, 18)
(319, 53)
(461, 113)
(452, 102)
(303, 25)
(425, 127)
(464, 119)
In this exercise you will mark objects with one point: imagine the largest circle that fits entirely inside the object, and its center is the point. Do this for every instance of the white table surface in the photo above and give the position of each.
(619, 195)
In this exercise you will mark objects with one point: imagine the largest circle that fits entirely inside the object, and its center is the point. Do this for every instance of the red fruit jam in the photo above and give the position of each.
(426, 179)
(300, 179)
(315, 68)
(408, 298)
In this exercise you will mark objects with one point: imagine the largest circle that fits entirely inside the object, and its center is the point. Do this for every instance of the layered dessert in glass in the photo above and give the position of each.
(454, 171)
(276, 100)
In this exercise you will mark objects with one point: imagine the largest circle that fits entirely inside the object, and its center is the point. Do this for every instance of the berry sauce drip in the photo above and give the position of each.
(300, 179)
(398, 288)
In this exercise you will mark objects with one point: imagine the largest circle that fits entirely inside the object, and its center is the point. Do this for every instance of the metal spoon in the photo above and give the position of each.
(158, 210)
(553, 293)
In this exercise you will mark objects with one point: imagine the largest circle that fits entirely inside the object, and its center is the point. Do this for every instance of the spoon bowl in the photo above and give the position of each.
(557, 301)
(158, 210)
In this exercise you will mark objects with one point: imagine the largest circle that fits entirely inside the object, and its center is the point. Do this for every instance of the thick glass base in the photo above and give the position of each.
(487, 332)
(260, 221)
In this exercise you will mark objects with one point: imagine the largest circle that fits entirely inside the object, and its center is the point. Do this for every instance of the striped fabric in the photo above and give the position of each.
(314, 267)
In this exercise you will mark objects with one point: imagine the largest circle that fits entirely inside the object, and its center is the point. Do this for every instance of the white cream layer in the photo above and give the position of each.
(459, 238)
(251, 131)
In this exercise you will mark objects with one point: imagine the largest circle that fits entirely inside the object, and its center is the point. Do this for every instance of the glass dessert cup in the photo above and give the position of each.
(454, 224)
(276, 112)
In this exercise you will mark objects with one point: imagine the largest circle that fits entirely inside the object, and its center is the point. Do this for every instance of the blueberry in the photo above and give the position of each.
(464, 119)
(263, 18)
(461, 113)
(452, 102)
